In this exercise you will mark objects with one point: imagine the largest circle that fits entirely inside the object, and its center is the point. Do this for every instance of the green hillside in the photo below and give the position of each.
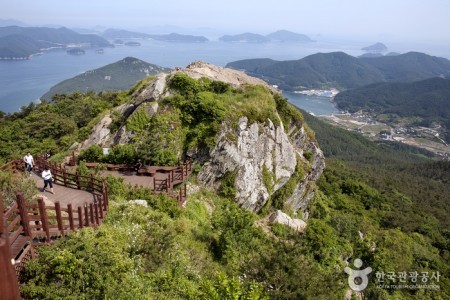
(19, 46)
(121, 75)
(343, 71)
(383, 203)
(411, 66)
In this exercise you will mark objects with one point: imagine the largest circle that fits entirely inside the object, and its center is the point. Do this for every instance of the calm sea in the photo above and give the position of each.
(22, 82)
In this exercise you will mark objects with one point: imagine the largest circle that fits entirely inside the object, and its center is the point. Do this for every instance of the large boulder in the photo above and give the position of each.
(282, 218)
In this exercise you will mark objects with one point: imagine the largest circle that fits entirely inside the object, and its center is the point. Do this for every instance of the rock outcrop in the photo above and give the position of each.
(260, 149)
(257, 147)
(282, 218)
(262, 156)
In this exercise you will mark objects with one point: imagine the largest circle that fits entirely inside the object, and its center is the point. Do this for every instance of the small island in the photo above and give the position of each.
(76, 51)
(376, 48)
(133, 44)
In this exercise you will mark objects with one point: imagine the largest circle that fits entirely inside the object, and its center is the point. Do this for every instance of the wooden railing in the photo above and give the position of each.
(26, 224)
(31, 223)
(9, 285)
(173, 176)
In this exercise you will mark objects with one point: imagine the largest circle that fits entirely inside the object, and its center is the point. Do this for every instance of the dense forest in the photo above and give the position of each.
(343, 71)
(384, 203)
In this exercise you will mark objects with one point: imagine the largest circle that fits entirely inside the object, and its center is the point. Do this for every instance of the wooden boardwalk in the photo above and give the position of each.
(63, 195)
(79, 201)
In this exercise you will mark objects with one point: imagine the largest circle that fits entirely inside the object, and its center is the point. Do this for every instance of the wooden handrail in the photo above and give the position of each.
(9, 285)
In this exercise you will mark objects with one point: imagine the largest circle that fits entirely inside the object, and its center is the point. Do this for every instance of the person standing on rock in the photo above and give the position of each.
(29, 162)
(47, 176)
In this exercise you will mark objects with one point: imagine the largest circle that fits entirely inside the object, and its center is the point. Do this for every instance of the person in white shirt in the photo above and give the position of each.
(29, 162)
(47, 176)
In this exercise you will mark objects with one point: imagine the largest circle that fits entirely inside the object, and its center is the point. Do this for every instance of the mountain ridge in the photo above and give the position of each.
(340, 70)
(40, 38)
(121, 75)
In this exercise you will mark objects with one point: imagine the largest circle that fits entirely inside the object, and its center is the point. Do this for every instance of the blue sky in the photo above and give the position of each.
(398, 19)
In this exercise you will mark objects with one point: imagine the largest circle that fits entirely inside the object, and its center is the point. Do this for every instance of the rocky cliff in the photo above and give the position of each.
(273, 161)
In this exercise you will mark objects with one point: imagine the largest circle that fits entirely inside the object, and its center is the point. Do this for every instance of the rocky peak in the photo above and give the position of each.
(268, 162)
(199, 69)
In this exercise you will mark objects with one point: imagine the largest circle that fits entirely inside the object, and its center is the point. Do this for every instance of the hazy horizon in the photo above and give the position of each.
(400, 20)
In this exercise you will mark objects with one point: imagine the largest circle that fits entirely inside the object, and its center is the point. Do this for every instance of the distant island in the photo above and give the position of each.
(277, 36)
(376, 48)
(119, 34)
(76, 51)
(288, 36)
(133, 44)
(175, 37)
(22, 42)
(245, 38)
(120, 75)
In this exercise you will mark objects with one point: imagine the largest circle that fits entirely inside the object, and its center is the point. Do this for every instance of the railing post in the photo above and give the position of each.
(59, 217)
(91, 212)
(23, 214)
(9, 285)
(170, 180)
(105, 194)
(64, 177)
(97, 219)
(70, 212)
(86, 214)
(80, 217)
(100, 204)
(154, 184)
(44, 218)
(77, 179)
(92, 182)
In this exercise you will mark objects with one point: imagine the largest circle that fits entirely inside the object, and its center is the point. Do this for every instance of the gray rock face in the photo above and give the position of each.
(153, 91)
(100, 133)
(305, 189)
(248, 155)
(258, 146)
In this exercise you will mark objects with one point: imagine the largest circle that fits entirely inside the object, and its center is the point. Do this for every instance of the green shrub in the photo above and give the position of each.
(287, 112)
(121, 154)
(139, 120)
(228, 185)
(11, 184)
(165, 157)
(219, 87)
(92, 154)
(308, 155)
(184, 84)
(281, 231)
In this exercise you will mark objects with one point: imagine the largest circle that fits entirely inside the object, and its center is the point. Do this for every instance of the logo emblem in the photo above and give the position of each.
(357, 279)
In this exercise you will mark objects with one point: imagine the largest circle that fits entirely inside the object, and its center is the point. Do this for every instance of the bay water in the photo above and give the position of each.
(25, 81)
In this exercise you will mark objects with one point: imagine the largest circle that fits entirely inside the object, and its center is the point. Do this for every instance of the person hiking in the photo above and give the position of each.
(29, 162)
(47, 176)
(137, 166)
